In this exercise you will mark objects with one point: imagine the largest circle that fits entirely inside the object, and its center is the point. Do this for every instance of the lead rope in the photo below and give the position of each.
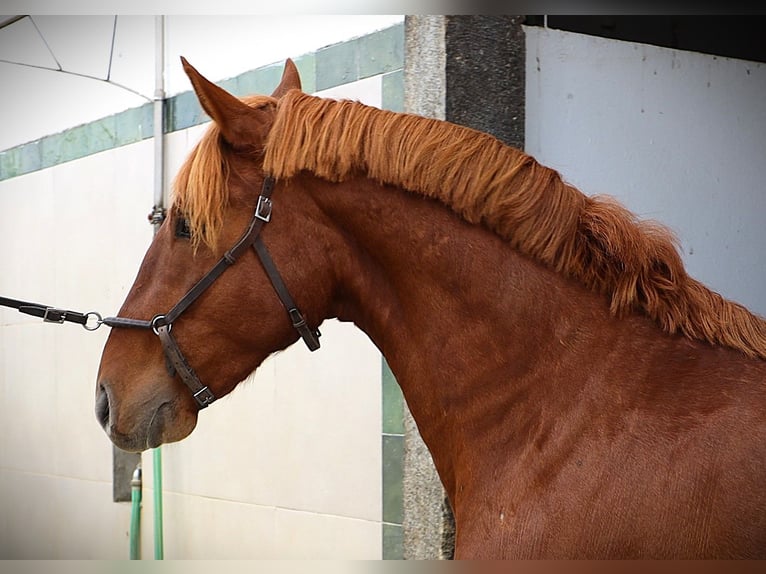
(90, 320)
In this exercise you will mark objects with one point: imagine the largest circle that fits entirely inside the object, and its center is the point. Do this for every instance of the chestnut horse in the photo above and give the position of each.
(582, 395)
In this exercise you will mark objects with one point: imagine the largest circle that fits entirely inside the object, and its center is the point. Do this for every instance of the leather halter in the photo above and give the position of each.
(162, 325)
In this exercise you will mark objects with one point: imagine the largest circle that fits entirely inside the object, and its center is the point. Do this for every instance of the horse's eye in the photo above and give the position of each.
(182, 228)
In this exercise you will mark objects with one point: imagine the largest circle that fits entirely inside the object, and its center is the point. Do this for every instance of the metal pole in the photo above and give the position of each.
(156, 218)
(158, 211)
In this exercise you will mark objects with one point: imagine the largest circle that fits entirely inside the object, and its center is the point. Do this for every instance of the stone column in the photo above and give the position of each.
(468, 70)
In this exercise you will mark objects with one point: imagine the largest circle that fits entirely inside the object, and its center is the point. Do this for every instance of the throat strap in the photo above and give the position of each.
(310, 336)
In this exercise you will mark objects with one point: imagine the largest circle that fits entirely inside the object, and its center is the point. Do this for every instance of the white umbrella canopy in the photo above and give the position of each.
(61, 71)
(57, 72)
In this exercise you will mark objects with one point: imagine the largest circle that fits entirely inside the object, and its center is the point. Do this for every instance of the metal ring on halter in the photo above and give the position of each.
(92, 315)
(155, 327)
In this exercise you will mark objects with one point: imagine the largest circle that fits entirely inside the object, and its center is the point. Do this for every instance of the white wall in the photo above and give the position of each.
(288, 466)
(71, 235)
(677, 136)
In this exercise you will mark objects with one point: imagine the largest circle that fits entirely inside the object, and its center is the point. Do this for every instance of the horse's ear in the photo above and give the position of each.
(291, 80)
(240, 124)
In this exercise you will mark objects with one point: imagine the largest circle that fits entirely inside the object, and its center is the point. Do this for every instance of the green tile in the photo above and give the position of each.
(110, 132)
(30, 157)
(382, 52)
(393, 542)
(230, 85)
(337, 65)
(168, 119)
(10, 163)
(260, 81)
(393, 402)
(99, 136)
(393, 91)
(51, 151)
(359, 58)
(134, 125)
(87, 139)
(307, 68)
(183, 111)
(72, 143)
(393, 475)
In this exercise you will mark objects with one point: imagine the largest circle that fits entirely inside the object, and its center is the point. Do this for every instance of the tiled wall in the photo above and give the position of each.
(303, 460)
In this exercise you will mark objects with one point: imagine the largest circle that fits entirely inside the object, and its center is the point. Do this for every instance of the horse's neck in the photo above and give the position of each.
(477, 335)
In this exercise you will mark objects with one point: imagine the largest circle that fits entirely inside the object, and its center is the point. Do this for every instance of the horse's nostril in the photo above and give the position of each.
(102, 406)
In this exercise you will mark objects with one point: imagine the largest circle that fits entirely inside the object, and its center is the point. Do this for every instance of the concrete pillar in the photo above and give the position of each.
(468, 70)
(485, 64)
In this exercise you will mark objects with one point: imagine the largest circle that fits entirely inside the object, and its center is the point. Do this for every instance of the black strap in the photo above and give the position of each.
(200, 287)
(47, 314)
(127, 322)
(173, 353)
(260, 217)
(310, 336)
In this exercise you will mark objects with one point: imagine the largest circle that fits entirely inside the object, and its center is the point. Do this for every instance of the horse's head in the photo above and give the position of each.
(236, 322)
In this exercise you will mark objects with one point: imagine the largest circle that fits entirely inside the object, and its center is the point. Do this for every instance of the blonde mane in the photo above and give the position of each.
(593, 239)
(200, 188)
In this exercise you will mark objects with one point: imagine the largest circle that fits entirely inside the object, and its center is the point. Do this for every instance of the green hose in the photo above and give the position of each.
(135, 514)
(159, 551)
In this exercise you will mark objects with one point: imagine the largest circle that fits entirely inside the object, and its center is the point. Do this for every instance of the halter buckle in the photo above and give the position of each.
(53, 315)
(297, 318)
(263, 209)
(204, 397)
